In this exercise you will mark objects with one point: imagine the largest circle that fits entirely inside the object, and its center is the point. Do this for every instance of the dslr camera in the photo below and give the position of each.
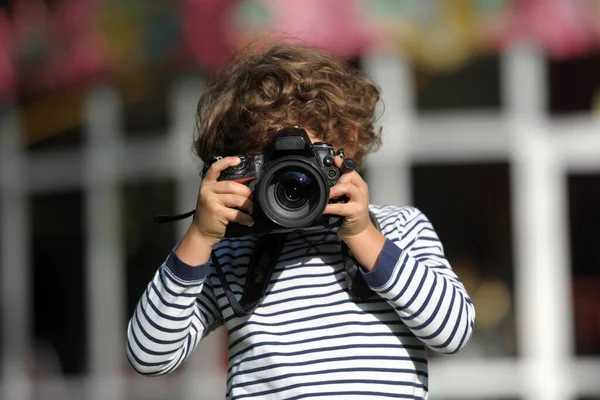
(290, 184)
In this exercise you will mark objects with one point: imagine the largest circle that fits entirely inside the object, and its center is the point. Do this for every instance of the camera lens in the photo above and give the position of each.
(292, 191)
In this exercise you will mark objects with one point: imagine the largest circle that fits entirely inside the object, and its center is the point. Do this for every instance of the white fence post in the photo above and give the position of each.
(105, 267)
(388, 170)
(15, 263)
(204, 378)
(542, 278)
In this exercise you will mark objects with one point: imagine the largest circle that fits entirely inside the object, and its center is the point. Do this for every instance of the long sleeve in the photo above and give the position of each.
(415, 278)
(175, 312)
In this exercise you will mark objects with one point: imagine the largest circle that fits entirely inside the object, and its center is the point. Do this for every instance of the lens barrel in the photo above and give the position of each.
(293, 192)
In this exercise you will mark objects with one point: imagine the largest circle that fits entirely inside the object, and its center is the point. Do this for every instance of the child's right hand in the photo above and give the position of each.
(219, 203)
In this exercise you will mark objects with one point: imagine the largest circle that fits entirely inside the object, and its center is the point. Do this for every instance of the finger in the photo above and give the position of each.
(237, 216)
(236, 201)
(354, 178)
(341, 189)
(219, 166)
(341, 209)
(338, 161)
(231, 187)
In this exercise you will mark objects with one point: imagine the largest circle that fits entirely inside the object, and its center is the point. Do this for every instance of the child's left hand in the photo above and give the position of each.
(356, 210)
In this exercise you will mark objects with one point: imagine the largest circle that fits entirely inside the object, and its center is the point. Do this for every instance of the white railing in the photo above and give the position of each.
(540, 151)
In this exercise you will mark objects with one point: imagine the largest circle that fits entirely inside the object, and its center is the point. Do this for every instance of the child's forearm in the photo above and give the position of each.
(194, 249)
(366, 247)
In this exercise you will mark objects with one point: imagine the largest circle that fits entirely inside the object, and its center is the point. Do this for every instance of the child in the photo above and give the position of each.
(307, 338)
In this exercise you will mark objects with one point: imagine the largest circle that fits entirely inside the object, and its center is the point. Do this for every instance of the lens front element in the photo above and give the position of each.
(293, 193)
(293, 190)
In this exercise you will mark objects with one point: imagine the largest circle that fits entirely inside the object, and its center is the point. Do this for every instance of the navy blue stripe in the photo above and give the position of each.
(436, 310)
(342, 394)
(172, 367)
(266, 304)
(226, 249)
(158, 328)
(427, 247)
(374, 300)
(456, 325)
(178, 282)
(238, 290)
(314, 328)
(407, 281)
(184, 271)
(426, 256)
(259, 313)
(404, 257)
(281, 268)
(383, 226)
(321, 254)
(203, 318)
(141, 362)
(425, 303)
(462, 340)
(160, 313)
(168, 303)
(329, 371)
(445, 321)
(309, 318)
(414, 224)
(161, 277)
(336, 382)
(147, 350)
(288, 289)
(332, 359)
(233, 356)
(207, 300)
(353, 346)
(205, 303)
(406, 305)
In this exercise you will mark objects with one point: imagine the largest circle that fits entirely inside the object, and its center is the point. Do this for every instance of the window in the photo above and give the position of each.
(146, 111)
(475, 86)
(147, 243)
(69, 138)
(574, 85)
(58, 283)
(584, 213)
(469, 207)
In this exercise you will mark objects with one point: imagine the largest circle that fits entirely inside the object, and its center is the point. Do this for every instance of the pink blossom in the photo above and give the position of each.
(564, 28)
(8, 73)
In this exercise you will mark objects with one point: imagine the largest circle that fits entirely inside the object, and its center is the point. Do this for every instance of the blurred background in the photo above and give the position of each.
(491, 128)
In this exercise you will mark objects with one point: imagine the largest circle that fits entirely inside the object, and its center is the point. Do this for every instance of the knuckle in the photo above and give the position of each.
(221, 212)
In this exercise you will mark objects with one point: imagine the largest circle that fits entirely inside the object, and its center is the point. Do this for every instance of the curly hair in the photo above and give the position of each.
(284, 85)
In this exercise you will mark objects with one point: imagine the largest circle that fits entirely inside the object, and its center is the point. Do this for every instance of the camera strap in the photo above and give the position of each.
(262, 263)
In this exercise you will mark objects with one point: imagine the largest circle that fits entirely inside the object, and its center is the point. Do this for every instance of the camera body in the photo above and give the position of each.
(290, 185)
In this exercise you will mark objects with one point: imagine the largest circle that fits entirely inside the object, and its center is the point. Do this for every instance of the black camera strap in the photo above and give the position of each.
(262, 263)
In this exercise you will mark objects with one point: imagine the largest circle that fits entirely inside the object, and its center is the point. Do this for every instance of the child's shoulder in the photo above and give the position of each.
(387, 214)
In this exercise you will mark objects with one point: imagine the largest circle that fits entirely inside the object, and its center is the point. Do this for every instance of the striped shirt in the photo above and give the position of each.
(308, 339)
